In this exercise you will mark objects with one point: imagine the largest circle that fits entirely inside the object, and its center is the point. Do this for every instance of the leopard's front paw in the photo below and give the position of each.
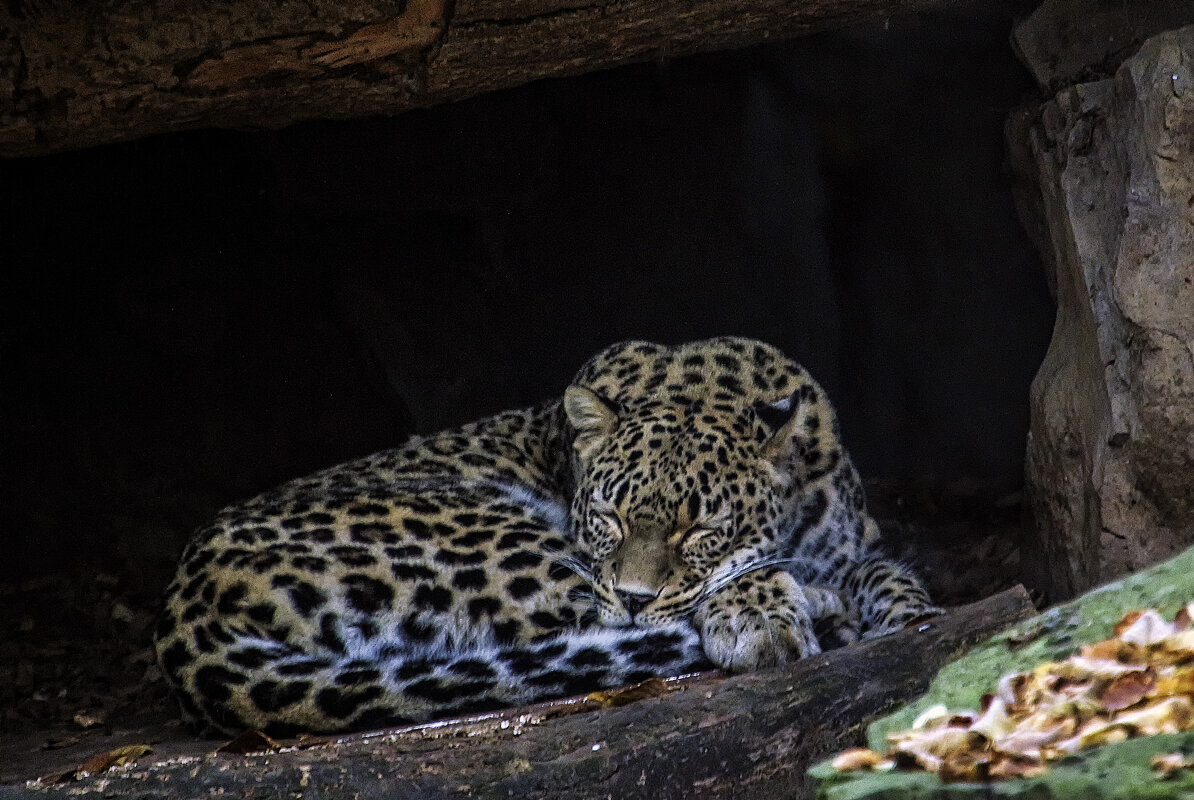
(762, 620)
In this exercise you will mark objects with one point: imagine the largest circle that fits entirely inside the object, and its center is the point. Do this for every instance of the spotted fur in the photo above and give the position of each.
(677, 508)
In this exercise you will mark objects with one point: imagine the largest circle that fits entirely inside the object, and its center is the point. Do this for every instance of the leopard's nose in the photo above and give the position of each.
(634, 601)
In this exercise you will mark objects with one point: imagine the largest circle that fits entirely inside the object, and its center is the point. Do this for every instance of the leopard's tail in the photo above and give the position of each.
(261, 684)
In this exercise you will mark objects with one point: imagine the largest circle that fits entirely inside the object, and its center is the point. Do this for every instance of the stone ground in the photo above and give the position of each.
(78, 676)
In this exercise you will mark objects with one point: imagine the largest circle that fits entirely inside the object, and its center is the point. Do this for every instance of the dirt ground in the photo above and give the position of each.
(78, 675)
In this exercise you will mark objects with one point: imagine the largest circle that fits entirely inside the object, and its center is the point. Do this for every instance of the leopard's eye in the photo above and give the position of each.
(704, 544)
(605, 534)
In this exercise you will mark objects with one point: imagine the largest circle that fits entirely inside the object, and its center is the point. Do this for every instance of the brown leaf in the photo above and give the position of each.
(1169, 764)
(1011, 688)
(1175, 680)
(932, 717)
(66, 741)
(1178, 648)
(964, 768)
(1108, 649)
(1181, 620)
(1127, 689)
(113, 758)
(1008, 768)
(1078, 669)
(85, 720)
(1147, 628)
(858, 758)
(1170, 715)
(1026, 744)
(249, 742)
(1128, 620)
(940, 743)
(995, 721)
(651, 687)
(101, 762)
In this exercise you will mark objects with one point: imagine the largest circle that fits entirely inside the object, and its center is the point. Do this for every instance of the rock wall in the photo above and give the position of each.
(1108, 165)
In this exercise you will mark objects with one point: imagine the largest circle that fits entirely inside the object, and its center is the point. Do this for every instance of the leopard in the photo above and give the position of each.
(679, 508)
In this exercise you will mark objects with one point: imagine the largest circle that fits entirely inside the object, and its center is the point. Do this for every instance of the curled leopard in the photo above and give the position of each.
(677, 509)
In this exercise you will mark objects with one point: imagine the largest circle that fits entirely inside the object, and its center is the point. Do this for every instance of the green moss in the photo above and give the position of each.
(1115, 772)
(1051, 636)
(1054, 635)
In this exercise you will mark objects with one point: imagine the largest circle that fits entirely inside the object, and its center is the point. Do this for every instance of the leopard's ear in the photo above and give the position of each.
(592, 416)
(782, 421)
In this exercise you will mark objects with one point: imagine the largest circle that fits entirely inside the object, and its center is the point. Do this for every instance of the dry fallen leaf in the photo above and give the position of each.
(1148, 628)
(1126, 622)
(1015, 768)
(1169, 715)
(1112, 650)
(652, 687)
(1175, 680)
(1127, 689)
(931, 717)
(995, 722)
(101, 762)
(249, 742)
(66, 741)
(861, 758)
(85, 720)
(1178, 648)
(1028, 744)
(113, 758)
(1169, 764)
(1183, 618)
(968, 767)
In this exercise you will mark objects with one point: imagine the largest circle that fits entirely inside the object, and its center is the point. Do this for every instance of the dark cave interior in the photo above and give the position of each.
(192, 318)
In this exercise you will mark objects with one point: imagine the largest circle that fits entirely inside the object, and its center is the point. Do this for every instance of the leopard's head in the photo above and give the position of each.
(677, 497)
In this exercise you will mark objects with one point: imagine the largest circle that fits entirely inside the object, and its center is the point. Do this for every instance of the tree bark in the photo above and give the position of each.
(750, 736)
(79, 74)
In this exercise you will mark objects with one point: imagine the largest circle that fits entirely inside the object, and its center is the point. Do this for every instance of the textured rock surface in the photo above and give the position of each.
(1066, 41)
(1110, 460)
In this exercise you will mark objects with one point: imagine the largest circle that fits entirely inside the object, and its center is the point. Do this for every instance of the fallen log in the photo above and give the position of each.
(744, 736)
(79, 74)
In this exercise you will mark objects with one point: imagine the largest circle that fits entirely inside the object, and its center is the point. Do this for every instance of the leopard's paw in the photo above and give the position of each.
(762, 620)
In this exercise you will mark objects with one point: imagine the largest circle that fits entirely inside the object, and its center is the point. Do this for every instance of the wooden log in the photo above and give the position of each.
(744, 736)
(79, 74)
